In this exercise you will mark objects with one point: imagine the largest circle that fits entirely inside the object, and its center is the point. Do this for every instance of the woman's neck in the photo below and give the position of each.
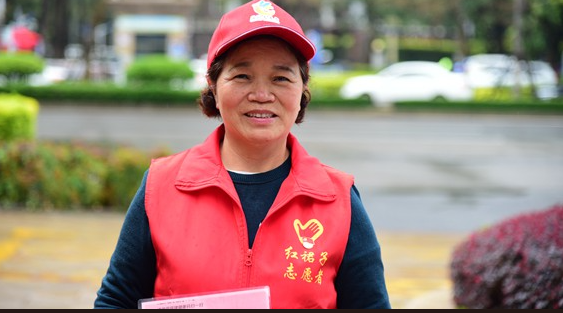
(253, 158)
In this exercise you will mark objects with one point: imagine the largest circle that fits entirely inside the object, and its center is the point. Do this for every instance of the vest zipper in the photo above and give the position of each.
(248, 264)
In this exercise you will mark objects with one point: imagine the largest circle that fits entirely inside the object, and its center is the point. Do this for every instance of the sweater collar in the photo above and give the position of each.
(203, 168)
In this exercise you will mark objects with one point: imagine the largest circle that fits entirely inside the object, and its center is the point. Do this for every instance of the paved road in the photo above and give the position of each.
(416, 172)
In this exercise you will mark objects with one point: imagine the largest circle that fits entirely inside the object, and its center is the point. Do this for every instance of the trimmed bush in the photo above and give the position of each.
(18, 117)
(19, 66)
(158, 69)
(517, 264)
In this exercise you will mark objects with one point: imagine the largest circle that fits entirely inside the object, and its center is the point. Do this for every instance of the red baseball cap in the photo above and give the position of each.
(258, 17)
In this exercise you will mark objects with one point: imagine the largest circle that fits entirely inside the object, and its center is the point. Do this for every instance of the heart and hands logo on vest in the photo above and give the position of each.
(308, 233)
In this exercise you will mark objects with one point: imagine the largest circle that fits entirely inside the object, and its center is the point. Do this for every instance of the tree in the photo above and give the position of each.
(90, 14)
(490, 22)
(545, 31)
(2, 14)
(62, 22)
(55, 22)
(461, 31)
(52, 21)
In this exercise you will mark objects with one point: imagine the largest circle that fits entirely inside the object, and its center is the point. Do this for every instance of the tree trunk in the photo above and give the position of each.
(2, 15)
(58, 17)
(518, 43)
(463, 44)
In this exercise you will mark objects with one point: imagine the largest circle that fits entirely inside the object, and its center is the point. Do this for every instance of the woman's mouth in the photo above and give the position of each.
(261, 115)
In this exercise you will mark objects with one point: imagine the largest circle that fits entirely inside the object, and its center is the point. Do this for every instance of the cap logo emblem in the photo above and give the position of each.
(265, 12)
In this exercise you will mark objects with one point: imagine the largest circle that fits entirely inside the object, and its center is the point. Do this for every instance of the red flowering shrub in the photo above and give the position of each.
(517, 264)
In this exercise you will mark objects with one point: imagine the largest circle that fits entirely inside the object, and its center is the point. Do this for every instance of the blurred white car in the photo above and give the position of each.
(409, 81)
(51, 74)
(499, 70)
(199, 82)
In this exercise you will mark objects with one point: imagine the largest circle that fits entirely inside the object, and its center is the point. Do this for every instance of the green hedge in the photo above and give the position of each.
(86, 93)
(70, 175)
(109, 94)
(324, 92)
(19, 66)
(18, 117)
(553, 107)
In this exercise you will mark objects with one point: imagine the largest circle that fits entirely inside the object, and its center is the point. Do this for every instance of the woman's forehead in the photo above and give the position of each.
(273, 46)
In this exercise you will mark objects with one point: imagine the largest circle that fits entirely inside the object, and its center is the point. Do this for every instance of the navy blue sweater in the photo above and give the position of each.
(131, 275)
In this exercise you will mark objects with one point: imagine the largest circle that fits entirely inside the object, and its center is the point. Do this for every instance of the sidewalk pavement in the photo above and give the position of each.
(57, 261)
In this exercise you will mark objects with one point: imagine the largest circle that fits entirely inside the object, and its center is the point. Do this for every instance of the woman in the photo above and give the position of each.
(249, 207)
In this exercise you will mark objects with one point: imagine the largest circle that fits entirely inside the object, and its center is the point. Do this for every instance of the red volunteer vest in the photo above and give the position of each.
(200, 237)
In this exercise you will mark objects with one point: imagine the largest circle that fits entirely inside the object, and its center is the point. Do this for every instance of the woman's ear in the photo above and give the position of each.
(210, 84)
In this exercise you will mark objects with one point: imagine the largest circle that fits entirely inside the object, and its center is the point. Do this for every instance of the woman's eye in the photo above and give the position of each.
(242, 76)
(281, 79)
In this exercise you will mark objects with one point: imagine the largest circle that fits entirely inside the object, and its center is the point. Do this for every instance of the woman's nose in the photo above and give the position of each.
(261, 93)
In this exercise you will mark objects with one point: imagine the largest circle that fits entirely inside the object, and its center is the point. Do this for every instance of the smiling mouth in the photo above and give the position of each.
(260, 115)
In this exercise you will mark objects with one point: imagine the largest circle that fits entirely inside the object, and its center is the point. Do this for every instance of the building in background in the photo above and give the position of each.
(150, 27)
(180, 29)
(143, 27)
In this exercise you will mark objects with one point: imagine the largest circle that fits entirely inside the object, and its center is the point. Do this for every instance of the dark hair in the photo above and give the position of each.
(207, 101)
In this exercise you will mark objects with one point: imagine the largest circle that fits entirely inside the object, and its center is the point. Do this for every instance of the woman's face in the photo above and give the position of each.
(259, 91)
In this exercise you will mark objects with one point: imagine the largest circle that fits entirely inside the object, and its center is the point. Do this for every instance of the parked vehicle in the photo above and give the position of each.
(199, 82)
(409, 81)
(51, 74)
(503, 71)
